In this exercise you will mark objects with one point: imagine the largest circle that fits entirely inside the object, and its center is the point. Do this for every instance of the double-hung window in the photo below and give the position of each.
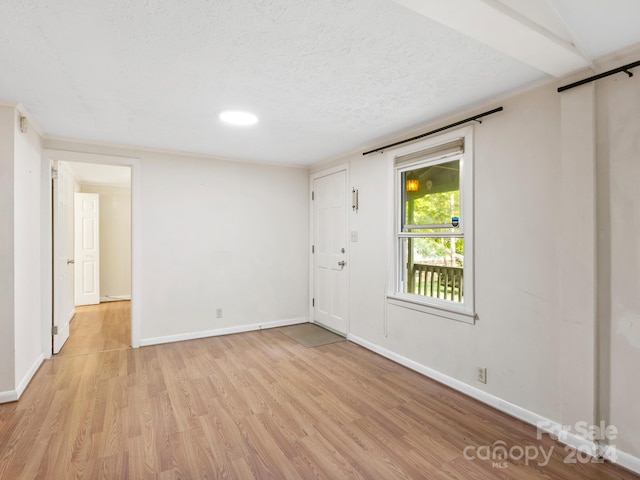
(434, 226)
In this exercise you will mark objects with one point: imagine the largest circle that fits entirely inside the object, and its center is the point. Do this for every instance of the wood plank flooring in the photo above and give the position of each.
(257, 405)
(99, 328)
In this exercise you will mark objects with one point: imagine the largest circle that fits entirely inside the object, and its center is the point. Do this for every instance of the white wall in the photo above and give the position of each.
(537, 285)
(216, 234)
(7, 361)
(28, 296)
(115, 239)
(222, 235)
(618, 107)
(20, 263)
(517, 153)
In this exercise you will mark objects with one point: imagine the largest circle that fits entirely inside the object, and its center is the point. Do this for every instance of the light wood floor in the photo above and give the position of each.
(99, 328)
(256, 405)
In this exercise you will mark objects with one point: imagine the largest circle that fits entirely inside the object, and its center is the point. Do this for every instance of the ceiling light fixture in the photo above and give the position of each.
(238, 117)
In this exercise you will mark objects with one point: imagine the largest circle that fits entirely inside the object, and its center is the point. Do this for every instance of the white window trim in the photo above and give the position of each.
(459, 312)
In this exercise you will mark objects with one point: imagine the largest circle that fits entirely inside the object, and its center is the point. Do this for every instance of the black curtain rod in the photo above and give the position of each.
(624, 68)
(470, 119)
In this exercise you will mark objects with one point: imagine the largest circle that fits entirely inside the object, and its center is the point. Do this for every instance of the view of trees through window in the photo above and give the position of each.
(434, 254)
(443, 206)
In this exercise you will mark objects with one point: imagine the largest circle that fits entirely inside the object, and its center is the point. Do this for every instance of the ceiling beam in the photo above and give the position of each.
(493, 23)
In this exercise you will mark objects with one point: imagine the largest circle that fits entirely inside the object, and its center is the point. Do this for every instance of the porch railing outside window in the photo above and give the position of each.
(437, 281)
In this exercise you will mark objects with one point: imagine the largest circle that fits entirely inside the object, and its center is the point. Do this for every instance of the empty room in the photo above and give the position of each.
(368, 239)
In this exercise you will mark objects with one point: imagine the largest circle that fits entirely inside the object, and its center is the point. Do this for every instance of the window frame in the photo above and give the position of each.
(464, 311)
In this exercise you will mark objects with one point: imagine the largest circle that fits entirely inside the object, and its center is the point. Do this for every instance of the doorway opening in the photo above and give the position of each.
(92, 257)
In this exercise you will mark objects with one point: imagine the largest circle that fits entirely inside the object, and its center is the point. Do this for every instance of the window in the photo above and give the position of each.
(434, 222)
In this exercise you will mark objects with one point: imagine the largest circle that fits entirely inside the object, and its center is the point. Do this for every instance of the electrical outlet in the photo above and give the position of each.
(218, 313)
(482, 374)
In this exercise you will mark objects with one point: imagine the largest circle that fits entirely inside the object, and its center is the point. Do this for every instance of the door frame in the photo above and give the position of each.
(48, 157)
(347, 199)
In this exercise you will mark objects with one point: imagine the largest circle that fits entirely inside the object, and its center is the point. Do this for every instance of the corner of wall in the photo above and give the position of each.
(7, 258)
(24, 382)
(8, 396)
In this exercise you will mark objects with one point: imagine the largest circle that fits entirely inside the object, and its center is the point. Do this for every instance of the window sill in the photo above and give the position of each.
(452, 313)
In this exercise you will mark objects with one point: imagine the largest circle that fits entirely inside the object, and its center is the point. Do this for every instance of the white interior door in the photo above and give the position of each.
(87, 248)
(330, 243)
(63, 269)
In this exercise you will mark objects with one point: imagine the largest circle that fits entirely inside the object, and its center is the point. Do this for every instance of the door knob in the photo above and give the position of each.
(342, 263)
(69, 260)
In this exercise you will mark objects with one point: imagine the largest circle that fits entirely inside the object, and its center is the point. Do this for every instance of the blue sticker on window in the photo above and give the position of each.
(455, 221)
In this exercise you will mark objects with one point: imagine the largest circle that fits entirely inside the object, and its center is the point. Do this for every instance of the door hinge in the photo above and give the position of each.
(54, 174)
(313, 249)
(313, 195)
(313, 302)
(54, 330)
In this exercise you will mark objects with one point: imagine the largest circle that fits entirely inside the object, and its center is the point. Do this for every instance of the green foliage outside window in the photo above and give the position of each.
(436, 208)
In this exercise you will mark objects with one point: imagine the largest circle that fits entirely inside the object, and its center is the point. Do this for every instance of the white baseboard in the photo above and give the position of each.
(621, 458)
(14, 395)
(29, 375)
(221, 331)
(115, 298)
(8, 396)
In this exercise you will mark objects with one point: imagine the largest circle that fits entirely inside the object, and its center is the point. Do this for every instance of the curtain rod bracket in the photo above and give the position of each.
(628, 73)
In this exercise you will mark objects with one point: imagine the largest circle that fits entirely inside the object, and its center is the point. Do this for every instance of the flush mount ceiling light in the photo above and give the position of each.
(238, 117)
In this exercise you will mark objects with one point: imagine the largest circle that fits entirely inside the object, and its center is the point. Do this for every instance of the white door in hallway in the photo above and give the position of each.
(87, 247)
(330, 244)
(63, 268)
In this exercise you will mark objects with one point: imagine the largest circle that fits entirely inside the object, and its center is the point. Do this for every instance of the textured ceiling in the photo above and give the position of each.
(324, 77)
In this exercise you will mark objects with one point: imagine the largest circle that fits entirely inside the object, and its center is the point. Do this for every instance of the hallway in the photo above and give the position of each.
(99, 328)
